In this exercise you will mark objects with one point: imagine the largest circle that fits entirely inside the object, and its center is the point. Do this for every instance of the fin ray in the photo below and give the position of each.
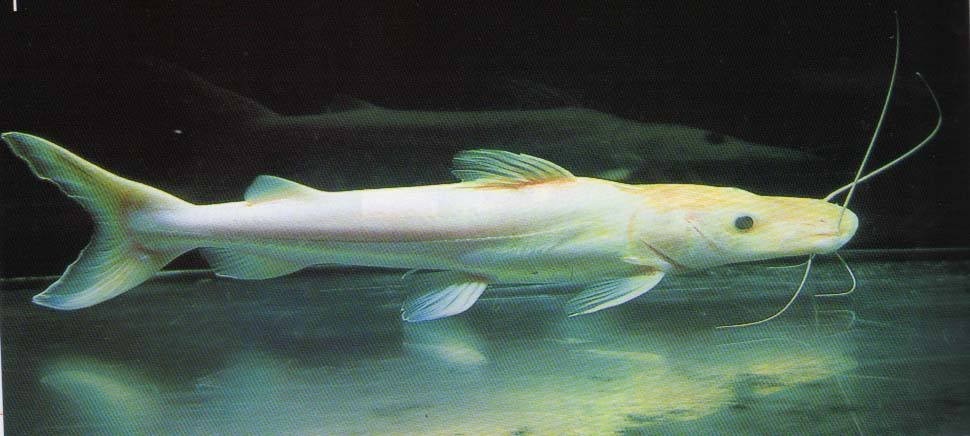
(114, 261)
(611, 293)
(248, 266)
(448, 293)
(503, 168)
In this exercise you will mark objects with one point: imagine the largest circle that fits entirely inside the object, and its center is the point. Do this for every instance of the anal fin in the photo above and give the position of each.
(611, 293)
(248, 266)
(446, 293)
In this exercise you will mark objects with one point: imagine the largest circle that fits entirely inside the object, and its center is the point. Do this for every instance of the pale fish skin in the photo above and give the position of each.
(513, 218)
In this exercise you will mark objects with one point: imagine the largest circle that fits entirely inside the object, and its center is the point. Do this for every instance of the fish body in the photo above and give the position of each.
(537, 131)
(513, 218)
(626, 149)
(520, 235)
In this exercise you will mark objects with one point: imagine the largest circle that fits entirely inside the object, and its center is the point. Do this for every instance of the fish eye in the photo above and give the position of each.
(714, 138)
(743, 222)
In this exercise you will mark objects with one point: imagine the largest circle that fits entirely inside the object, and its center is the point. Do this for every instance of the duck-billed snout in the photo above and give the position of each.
(836, 229)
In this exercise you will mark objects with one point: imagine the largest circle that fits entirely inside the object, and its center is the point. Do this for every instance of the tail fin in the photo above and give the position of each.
(202, 99)
(113, 262)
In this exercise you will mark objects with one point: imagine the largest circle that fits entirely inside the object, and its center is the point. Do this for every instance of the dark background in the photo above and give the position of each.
(803, 76)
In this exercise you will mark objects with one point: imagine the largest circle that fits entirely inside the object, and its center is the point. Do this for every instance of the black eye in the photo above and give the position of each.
(714, 138)
(744, 222)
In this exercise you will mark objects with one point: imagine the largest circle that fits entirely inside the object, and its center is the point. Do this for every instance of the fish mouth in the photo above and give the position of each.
(843, 229)
(830, 242)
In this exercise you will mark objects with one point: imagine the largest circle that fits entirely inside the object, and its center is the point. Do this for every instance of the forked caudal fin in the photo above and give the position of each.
(113, 262)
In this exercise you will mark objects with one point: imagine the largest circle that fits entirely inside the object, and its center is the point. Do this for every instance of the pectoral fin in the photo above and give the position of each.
(447, 294)
(611, 293)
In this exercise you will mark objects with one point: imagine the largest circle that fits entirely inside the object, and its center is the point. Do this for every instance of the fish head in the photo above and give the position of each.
(695, 226)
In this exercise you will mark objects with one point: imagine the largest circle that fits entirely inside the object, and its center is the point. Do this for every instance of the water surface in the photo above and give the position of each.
(324, 351)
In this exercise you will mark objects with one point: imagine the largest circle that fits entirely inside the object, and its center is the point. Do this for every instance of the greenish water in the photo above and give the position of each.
(324, 351)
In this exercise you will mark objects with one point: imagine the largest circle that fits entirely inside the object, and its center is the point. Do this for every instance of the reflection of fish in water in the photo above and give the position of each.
(450, 342)
(588, 141)
(513, 219)
(103, 396)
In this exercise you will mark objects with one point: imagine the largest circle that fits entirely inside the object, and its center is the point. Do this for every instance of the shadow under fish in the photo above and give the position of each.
(356, 144)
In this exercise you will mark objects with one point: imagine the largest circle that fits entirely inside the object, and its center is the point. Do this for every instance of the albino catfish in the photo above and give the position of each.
(513, 218)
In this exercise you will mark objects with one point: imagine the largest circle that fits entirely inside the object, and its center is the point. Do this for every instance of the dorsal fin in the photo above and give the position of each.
(343, 102)
(269, 188)
(503, 168)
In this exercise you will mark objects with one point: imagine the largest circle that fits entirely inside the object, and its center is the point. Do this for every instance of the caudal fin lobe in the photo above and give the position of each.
(113, 261)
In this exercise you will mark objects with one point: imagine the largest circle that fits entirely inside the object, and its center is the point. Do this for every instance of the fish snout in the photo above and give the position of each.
(836, 230)
(848, 225)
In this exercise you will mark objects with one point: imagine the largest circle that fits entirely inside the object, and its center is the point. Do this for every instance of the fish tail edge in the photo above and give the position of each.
(114, 261)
